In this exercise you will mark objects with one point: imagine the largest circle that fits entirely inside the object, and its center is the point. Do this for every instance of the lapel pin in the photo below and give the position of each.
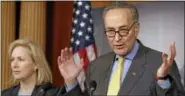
(134, 73)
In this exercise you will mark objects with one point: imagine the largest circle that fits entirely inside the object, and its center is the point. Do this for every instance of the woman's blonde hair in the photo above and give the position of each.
(35, 52)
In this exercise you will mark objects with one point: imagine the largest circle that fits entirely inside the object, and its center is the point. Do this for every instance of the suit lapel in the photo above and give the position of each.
(35, 91)
(108, 63)
(136, 70)
(15, 90)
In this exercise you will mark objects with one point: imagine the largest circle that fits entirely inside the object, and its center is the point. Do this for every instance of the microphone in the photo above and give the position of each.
(92, 87)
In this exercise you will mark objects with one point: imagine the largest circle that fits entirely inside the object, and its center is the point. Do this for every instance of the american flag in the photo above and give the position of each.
(82, 40)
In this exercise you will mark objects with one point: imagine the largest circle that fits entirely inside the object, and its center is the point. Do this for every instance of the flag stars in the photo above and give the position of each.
(80, 3)
(87, 7)
(75, 21)
(89, 29)
(84, 15)
(72, 40)
(91, 21)
(87, 37)
(73, 31)
(80, 33)
(77, 12)
(77, 42)
(82, 24)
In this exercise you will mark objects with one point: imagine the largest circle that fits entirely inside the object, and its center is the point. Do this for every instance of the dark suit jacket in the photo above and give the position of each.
(140, 79)
(42, 90)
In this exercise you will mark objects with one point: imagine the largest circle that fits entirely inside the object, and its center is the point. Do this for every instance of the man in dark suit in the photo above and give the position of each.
(132, 68)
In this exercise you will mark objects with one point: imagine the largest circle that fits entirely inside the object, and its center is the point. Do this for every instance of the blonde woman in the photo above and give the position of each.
(31, 75)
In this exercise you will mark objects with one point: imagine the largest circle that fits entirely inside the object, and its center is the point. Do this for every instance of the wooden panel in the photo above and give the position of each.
(33, 22)
(98, 4)
(8, 35)
(62, 24)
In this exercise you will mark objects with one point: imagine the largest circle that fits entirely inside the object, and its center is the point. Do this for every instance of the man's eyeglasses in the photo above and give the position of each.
(121, 32)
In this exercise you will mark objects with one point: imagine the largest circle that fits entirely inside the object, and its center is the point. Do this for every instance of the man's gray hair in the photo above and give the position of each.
(122, 4)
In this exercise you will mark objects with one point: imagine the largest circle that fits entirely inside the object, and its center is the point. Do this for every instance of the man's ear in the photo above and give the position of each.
(136, 30)
(35, 68)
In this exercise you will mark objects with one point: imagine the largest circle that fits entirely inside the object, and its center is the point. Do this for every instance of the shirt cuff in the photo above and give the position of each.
(69, 88)
(165, 85)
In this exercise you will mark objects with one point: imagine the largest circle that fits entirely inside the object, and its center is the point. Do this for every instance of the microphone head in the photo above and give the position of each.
(93, 85)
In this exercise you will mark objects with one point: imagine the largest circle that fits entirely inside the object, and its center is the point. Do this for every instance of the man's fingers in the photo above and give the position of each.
(62, 54)
(65, 53)
(167, 60)
(173, 50)
(70, 52)
(59, 60)
(170, 52)
(164, 58)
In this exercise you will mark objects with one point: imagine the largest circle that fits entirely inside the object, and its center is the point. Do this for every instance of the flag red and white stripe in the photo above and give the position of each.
(82, 39)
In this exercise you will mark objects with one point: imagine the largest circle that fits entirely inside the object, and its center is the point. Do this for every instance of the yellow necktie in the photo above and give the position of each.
(115, 81)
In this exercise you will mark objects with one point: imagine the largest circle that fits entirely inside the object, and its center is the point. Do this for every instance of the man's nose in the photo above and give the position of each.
(117, 37)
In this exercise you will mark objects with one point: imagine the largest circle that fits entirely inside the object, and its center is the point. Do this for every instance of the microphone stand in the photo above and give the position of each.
(91, 91)
(92, 87)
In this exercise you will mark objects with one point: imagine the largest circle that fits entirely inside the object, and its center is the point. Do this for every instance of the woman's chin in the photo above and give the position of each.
(18, 78)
